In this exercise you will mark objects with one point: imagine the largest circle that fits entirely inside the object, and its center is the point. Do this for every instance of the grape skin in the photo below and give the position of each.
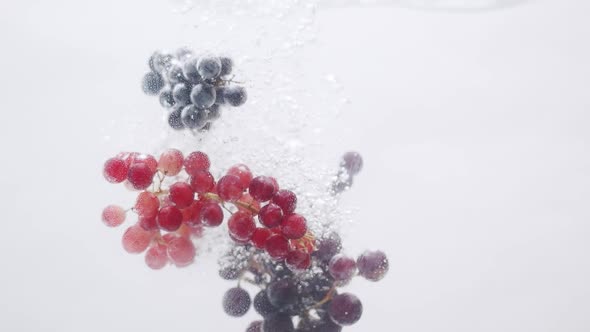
(209, 67)
(193, 117)
(373, 265)
(235, 95)
(181, 94)
(175, 118)
(278, 323)
(345, 309)
(203, 95)
(152, 83)
(236, 302)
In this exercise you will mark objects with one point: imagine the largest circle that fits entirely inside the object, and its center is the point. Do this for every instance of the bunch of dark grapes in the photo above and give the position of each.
(178, 197)
(301, 294)
(193, 88)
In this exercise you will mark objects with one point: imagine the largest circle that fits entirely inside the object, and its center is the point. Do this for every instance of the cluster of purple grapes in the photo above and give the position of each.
(193, 88)
(307, 300)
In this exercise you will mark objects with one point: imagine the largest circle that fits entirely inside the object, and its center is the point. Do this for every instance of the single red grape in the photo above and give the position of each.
(170, 162)
(169, 218)
(196, 161)
(148, 223)
(115, 170)
(113, 215)
(342, 267)
(211, 214)
(270, 215)
(140, 176)
(230, 188)
(241, 225)
(136, 239)
(156, 257)
(242, 172)
(260, 236)
(294, 226)
(262, 188)
(298, 260)
(287, 200)
(181, 251)
(181, 194)
(147, 204)
(202, 182)
(277, 246)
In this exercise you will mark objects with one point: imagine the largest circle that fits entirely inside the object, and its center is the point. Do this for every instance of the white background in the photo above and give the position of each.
(474, 128)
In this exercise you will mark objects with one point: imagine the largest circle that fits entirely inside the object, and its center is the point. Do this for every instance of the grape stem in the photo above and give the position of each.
(326, 298)
(247, 206)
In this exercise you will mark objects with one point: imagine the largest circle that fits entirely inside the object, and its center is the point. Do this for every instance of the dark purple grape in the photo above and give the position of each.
(345, 309)
(175, 118)
(189, 70)
(278, 323)
(235, 95)
(193, 117)
(352, 162)
(282, 293)
(255, 326)
(342, 267)
(373, 265)
(181, 94)
(328, 246)
(227, 65)
(236, 302)
(229, 272)
(175, 75)
(213, 113)
(262, 305)
(160, 61)
(219, 98)
(209, 67)
(166, 98)
(203, 95)
(152, 83)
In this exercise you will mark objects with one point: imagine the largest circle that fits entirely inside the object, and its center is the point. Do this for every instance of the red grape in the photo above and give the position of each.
(342, 267)
(202, 182)
(345, 309)
(241, 225)
(287, 200)
(181, 194)
(294, 226)
(298, 260)
(156, 256)
(230, 188)
(270, 215)
(115, 170)
(136, 239)
(140, 176)
(147, 204)
(113, 215)
(181, 251)
(260, 236)
(211, 214)
(277, 246)
(147, 159)
(169, 218)
(196, 161)
(192, 214)
(248, 203)
(242, 172)
(262, 188)
(171, 162)
(149, 223)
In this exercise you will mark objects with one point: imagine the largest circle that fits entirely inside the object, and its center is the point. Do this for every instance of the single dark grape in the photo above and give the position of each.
(175, 118)
(209, 67)
(203, 95)
(227, 65)
(236, 302)
(345, 309)
(262, 305)
(166, 98)
(278, 323)
(152, 83)
(352, 162)
(175, 75)
(160, 61)
(316, 288)
(328, 247)
(235, 95)
(213, 113)
(190, 72)
(282, 293)
(255, 326)
(219, 95)
(373, 265)
(181, 94)
(193, 117)
(229, 272)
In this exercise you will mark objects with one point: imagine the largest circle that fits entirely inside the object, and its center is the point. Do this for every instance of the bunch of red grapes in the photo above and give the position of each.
(298, 272)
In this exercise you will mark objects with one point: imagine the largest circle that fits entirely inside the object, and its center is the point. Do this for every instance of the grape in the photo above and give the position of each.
(262, 188)
(241, 226)
(193, 117)
(113, 215)
(373, 265)
(278, 323)
(203, 95)
(236, 302)
(262, 305)
(219, 97)
(147, 159)
(181, 251)
(298, 260)
(156, 256)
(202, 182)
(352, 162)
(227, 65)
(270, 215)
(345, 309)
(136, 239)
(294, 226)
(328, 246)
(255, 326)
(169, 218)
(242, 172)
(287, 200)
(229, 272)
(277, 246)
(181, 94)
(140, 176)
(209, 67)
(152, 83)
(170, 162)
(189, 70)
(235, 95)
(342, 267)
(147, 204)
(260, 236)
(160, 61)
(195, 162)
(115, 170)
(282, 293)
(212, 215)
(175, 118)
(175, 75)
(148, 223)
(166, 98)
(230, 188)
(183, 52)
(181, 194)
